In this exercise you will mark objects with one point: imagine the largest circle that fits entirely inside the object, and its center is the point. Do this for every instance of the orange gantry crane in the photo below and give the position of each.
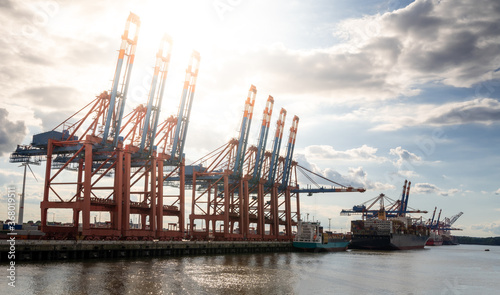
(132, 167)
(119, 169)
(240, 193)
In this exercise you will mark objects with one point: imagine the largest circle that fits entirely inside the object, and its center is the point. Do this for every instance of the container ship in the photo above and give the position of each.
(398, 233)
(310, 237)
(435, 239)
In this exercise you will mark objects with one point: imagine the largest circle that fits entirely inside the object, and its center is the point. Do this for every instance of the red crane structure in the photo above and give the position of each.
(132, 167)
(119, 169)
(236, 196)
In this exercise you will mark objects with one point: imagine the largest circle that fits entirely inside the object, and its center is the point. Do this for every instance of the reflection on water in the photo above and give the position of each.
(441, 270)
(223, 274)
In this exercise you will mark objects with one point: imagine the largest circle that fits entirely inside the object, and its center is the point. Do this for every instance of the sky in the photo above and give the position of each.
(385, 90)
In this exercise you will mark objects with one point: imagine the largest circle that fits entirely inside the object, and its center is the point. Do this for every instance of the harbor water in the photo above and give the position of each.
(462, 269)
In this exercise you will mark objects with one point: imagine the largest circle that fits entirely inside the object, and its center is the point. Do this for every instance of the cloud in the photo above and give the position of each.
(384, 56)
(356, 177)
(484, 111)
(52, 96)
(54, 103)
(489, 228)
(428, 188)
(11, 133)
(363, 153)
(497, 192)
(404, 156)
(468, 44)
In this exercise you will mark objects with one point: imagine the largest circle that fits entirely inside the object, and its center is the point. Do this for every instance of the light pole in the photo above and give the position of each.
(329, 224)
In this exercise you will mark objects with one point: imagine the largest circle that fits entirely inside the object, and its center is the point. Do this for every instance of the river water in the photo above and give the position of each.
(463, 269)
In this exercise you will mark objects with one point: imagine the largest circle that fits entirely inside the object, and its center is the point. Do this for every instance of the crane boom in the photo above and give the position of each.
(405, 204)
(276, 147)
(455, 218)
(185, 108)
(319, 189)
(264, 130)
(433, 215)
(289, 151)
(439, 216)
(161, 68)
(401, 206)
(246, 122)
(127, 48)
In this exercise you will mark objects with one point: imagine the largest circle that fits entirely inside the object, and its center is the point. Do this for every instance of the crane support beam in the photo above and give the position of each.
(455, 218)
(401, 207)
(156, 94)
(246, 122)
(276, 147)
(405, 203)
(328, 190)
(115, 110)
(264, 130)
(185, 108)
(289, 152)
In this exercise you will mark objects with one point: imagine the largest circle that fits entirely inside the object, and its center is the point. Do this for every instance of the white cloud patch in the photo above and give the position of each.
(405, 161)
(492, 228)
(355, 177)
(497, 192)
(484, 111)
(428, 188)
(363, 153)
(404, 156)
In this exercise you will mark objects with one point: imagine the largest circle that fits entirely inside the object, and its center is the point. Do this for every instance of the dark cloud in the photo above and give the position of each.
(35, 59)
(385, 56)
(50, 96)
(15, 10)
(51, 119)
(448, 36)
(6, 4)
(475, 111)
(53, 104)
(11, 133)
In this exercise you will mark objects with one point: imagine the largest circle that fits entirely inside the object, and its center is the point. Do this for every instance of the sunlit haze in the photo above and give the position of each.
(385, 90)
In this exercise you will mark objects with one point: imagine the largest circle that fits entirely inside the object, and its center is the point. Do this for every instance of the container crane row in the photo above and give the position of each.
(121, 165)
(119, 171)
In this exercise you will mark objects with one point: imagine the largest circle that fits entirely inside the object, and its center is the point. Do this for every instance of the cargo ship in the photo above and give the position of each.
(310, 237)
(435, 239)
(398, 233)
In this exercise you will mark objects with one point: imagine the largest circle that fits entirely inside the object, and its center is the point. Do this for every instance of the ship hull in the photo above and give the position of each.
(432, 242)
(388, 242)
(320, 247)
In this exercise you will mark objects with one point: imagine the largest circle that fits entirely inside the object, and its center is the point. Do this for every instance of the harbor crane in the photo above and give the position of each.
(393, 208)
(119, 170)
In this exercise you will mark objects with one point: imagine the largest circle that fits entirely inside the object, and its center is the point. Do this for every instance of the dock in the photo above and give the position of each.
(40, 250)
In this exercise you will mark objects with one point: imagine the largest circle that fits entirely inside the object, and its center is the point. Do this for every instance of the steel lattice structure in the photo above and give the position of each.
(133, 167)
